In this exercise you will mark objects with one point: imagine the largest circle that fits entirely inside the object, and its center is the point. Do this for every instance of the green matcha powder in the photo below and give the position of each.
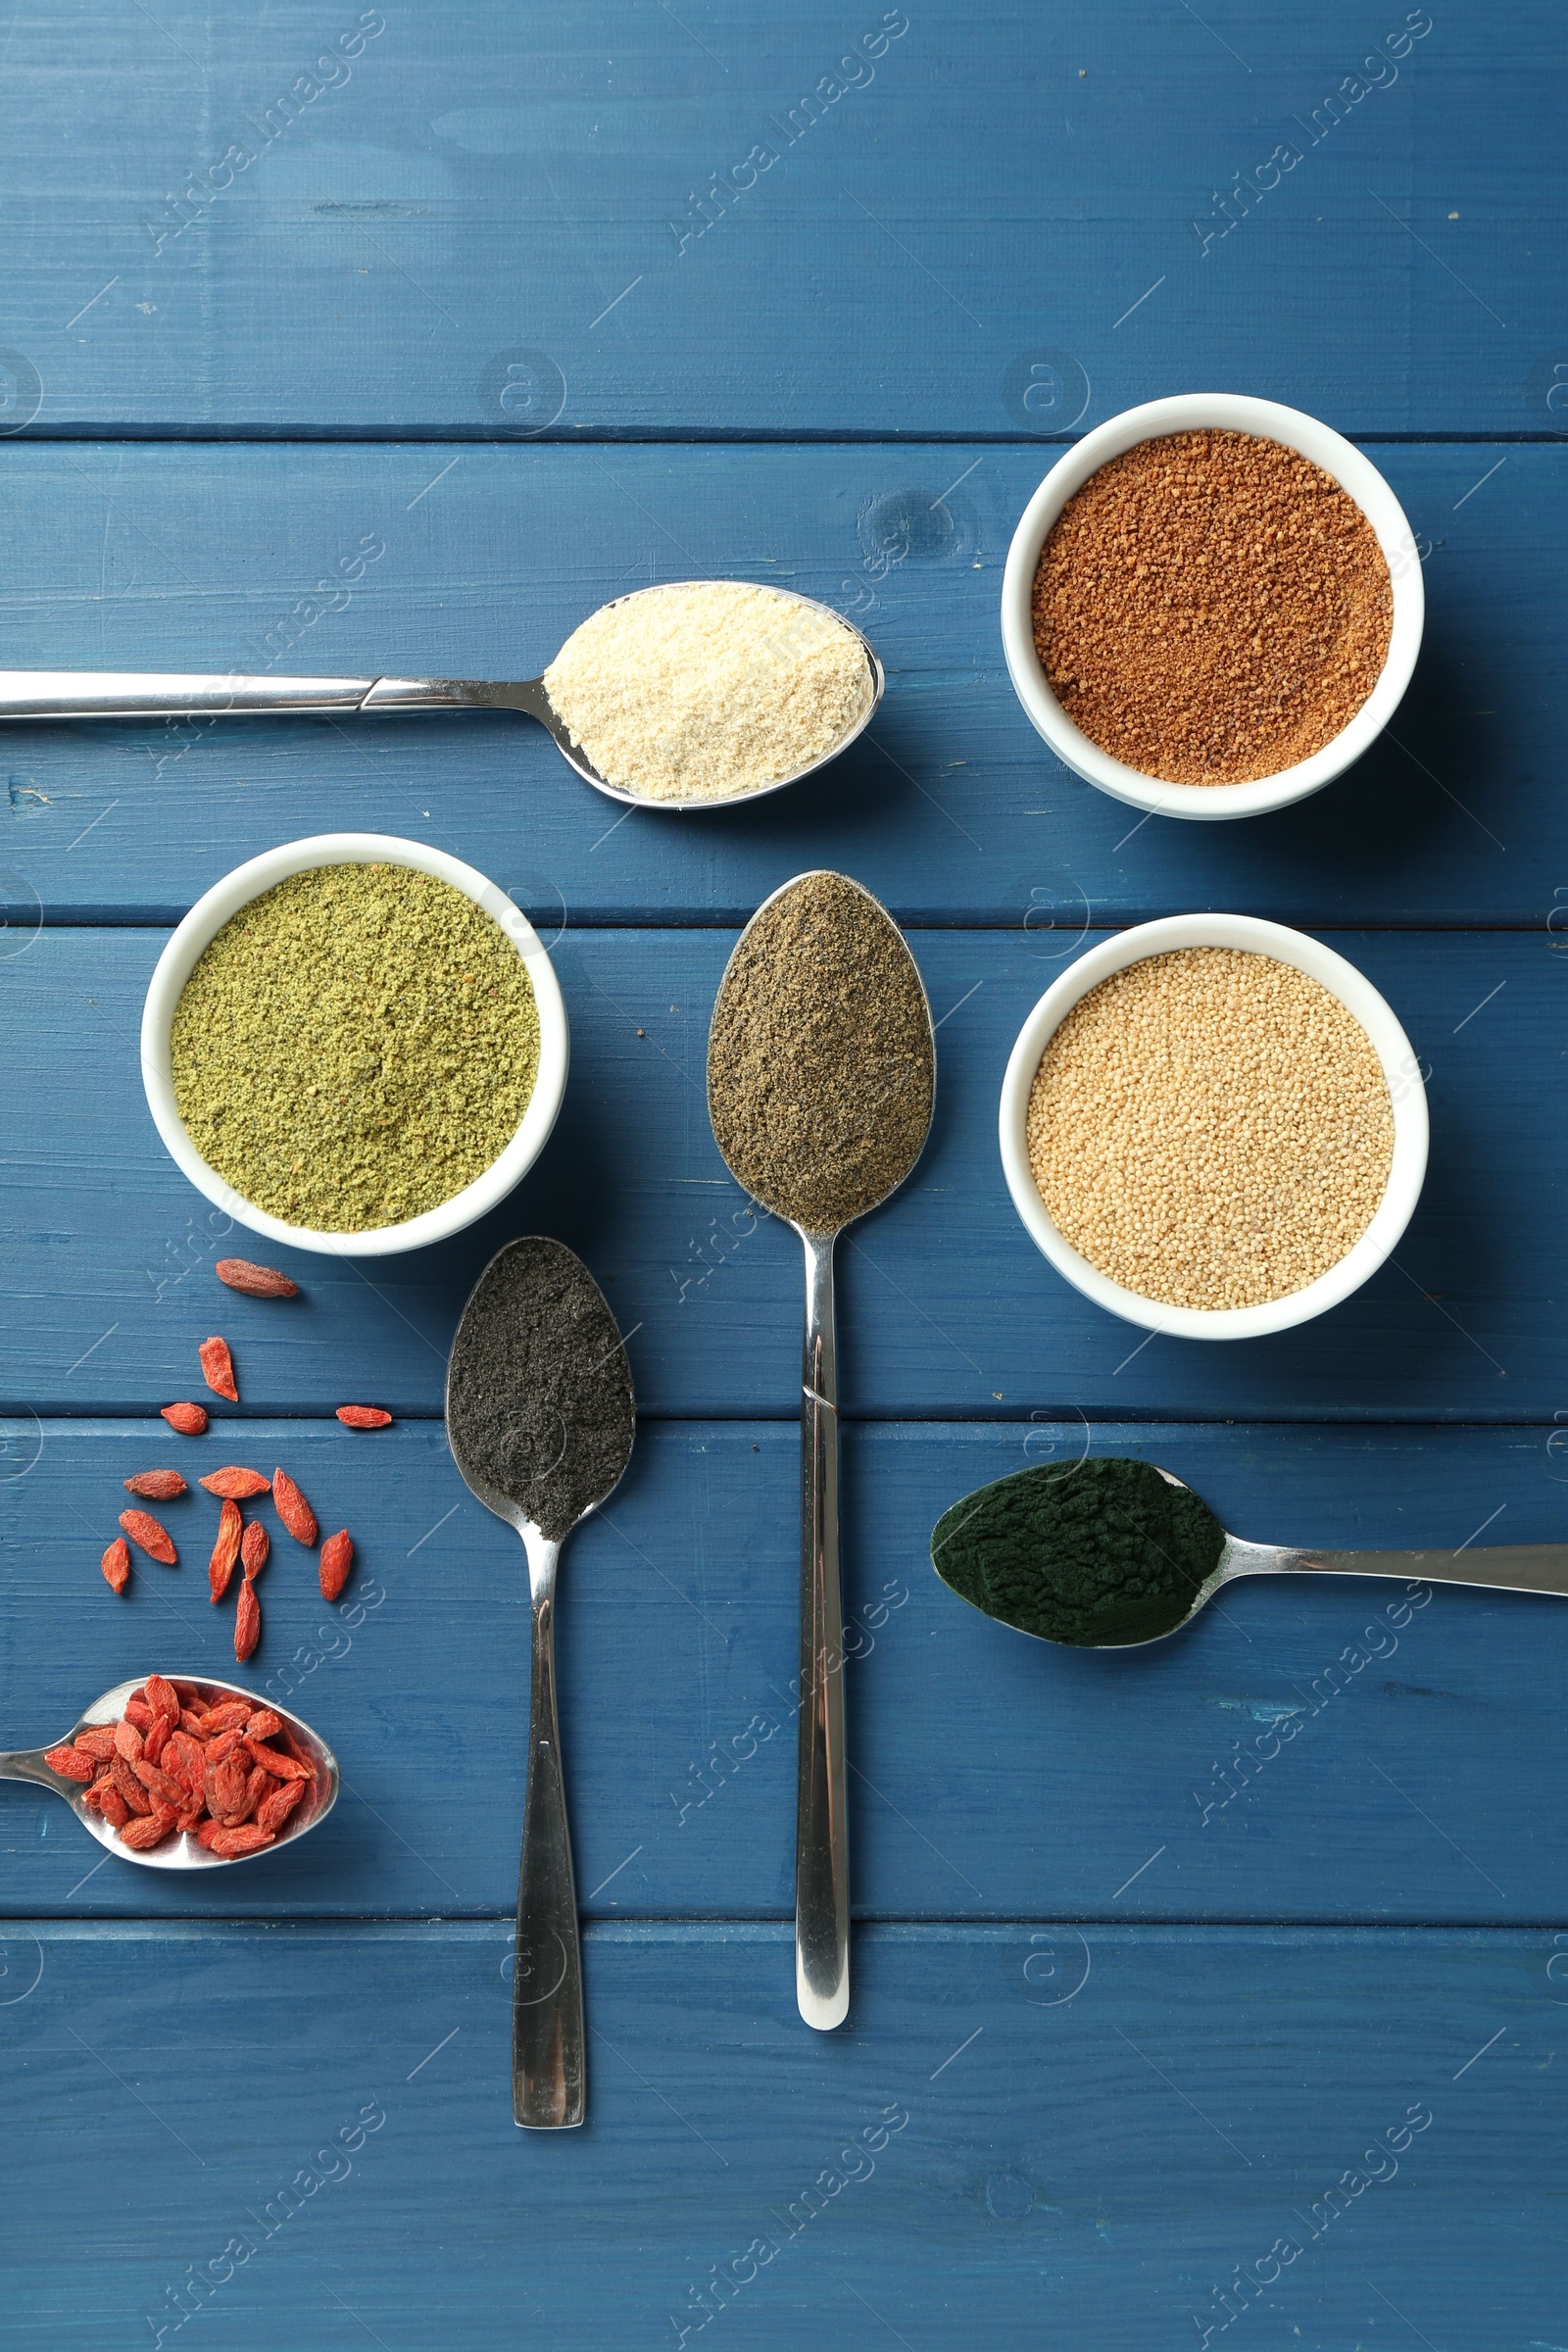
(355, 1047)
(1106, 1554)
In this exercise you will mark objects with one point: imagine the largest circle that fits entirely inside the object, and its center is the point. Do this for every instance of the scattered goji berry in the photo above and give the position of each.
(116, 1564)
(70, 1763)
(257, 1281)
(236, 1483)
(146, 1534)
(218, 1368)
(254, 1545)
(247, 1622)
(362, 1416)
(226, 1551)
(157, 1486)
(189, 1419)
(293, 1509)
(337, 1558)
(139, 1836)
(275, 1810)
(247, 1838)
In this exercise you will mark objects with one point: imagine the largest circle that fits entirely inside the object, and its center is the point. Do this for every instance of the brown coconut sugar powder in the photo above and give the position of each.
(1212, 607)
(1211, 1128)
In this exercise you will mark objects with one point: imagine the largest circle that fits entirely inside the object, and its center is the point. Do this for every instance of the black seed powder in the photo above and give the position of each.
(820, 1064)
(539, 1396)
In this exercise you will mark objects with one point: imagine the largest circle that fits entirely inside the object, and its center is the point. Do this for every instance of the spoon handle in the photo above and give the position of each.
(42, 693)
(28, 1764)
(1505, 1567)
(548, 2054)
(822, 1832)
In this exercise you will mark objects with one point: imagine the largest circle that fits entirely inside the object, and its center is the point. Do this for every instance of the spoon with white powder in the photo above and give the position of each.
(694, 694)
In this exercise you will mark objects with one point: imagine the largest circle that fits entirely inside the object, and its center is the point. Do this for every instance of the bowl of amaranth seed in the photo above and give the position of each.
(1211, 606)
(356, 1043)
(1214, 1126)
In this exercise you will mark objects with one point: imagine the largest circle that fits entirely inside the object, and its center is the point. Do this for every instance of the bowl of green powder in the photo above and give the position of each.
(355, 1044)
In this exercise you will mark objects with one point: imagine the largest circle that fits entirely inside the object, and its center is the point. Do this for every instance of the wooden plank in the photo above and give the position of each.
(316, 2127)
(214, 231)
(1314, 1751)
(954, 811)
(947, 1307)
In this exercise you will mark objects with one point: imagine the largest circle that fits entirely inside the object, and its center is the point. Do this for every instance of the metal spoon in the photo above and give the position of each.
(48, 694)
(179, 1852)
(822, 1826)
(1498, 1568)
(544, 1481)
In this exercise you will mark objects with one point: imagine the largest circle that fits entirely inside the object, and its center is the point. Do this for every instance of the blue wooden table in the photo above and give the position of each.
(1210, 1994)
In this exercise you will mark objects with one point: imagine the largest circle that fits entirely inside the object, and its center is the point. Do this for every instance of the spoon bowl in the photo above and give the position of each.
(182, 1851)
(72, 693)
(1497, 1568)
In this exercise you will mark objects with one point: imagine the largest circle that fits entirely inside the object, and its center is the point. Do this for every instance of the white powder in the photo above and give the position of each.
(708, 689)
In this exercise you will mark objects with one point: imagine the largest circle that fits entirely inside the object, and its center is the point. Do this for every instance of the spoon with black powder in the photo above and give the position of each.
(1114, 1555)
(821, 1076)
(540, 1419)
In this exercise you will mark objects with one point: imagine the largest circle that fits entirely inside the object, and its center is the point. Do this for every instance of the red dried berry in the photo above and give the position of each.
(129, 1742)
(218, 1368)
(156, 1738)
(229, 1715)
(362, 1416)
(225, 1784)
(107, 1801)
(163, 1698)
(220, 1750)
(70, 1763)
(255, 1546)
(208, 1831)
(185, 1760)
(162, 1786)
(293, 1509)
(247, 1622)
(138, 1712)
(258, 1784)
(337, 1558)
(263, 1724)
(247, 1838)
(116, 1564)
(226, 1551)
(96, 1740)
(141, 1834)
(149, 1537)
(189, 1419)
(274, 1810)
(236, 1483)
(157, 1486)
(130, 1788)
(257, 1281)
(281, 1767)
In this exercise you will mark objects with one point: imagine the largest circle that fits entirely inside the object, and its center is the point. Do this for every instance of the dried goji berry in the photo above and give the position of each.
(247, 1622)
(107, 1801)
(223, 1785)
(218, 1368)
(226, 1551)
(362, 1416)
(230, 1714)
(208, 1831)
(116, 1564)
(218, 1750)
(275, 1810)
(146, 1534)
(157, 1486)
(96, 1740)
(254, 1545)
(155, 1737)
(161, 1784)
(263, 1724)
(70, 1763)
(138, 1712)
(163, 1698)
(129, 1741)
(337, 1558)
(140, 1835)
(281, 1767)
(189, 1419)
(130, 1788)
(237, 1482)
(185, 1759)
(293, 1509)
(257, 1281)
(256, 1787)
(247, 1838)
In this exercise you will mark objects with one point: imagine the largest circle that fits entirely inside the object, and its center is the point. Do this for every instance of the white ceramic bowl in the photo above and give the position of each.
(1227, 412)
(1399, 1067)
(203, 925)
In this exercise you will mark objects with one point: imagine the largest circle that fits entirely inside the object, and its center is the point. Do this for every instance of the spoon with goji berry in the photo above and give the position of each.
(182, 1773)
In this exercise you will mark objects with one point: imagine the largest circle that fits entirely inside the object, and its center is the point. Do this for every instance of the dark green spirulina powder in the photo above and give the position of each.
(1108, 1552)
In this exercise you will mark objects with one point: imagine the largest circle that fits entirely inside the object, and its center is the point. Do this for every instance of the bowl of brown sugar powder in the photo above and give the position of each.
(1214, 1126)
(1211, 606)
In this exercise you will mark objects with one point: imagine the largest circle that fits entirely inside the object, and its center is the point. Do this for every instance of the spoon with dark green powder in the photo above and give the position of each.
(1112, 1554)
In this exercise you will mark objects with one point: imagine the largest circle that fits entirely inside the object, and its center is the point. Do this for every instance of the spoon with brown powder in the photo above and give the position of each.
(821, 1076)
